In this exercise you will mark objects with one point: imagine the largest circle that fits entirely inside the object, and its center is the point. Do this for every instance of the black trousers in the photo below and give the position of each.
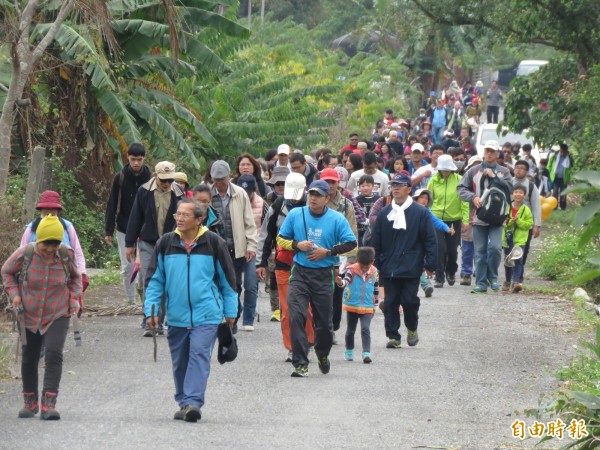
(400, 292)
(314, 287)
(54, 341)
(238, 266)
(338, 294)
(492, 114)
(447, 251)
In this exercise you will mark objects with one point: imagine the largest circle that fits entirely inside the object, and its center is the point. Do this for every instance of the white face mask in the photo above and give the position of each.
(459, 164)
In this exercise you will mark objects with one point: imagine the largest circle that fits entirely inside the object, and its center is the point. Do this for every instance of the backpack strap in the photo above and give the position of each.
(121, 180)
(63, 252)
(27, 256)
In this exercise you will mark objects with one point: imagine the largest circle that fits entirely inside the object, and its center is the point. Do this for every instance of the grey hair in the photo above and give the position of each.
(200, 210)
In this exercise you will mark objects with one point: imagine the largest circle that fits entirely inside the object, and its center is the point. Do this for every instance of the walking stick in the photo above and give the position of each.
(153, 333)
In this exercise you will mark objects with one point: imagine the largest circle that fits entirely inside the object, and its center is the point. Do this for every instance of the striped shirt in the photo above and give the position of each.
(47, 294)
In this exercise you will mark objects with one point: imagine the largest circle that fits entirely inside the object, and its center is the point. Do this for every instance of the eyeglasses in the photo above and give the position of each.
(297, 168)
(167, 181)
(182, 215)
(280, 183)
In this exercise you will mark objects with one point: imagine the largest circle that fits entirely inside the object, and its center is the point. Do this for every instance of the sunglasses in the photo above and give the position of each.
(170, 181)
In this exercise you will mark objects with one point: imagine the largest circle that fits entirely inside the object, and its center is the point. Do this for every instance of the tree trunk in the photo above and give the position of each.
(249, 14)
(36, 173)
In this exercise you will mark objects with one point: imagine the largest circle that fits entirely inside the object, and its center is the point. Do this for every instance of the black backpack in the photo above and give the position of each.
(495, 203)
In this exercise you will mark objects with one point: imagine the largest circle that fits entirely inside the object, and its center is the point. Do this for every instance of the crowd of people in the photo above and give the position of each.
(354, 230)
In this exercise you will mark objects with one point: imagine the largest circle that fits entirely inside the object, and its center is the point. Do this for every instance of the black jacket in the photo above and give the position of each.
(125, 184)
(143, 221)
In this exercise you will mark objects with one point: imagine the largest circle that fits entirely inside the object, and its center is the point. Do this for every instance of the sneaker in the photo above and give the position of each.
(367, 358)
(494, 285)
(438, 285)
(393, 343)
(517, 287)
(324, 364)
(147, 333)
(276, 317)
(466, 280)
(478, 290)
(300, 372)
(506, 286)
(192, 413)
(428, 291)
(248, 328)
(349, 355)
(179, 415)
(289, 356)
(451, 279)
(161, 330)
(412, 338)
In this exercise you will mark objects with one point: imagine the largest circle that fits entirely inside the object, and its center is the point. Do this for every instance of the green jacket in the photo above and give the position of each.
(553, 160)
(447, 205)
(520, 228)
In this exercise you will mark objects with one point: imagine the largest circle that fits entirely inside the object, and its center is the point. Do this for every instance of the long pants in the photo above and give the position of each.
(273, 292)
(282, 288)
(558, 187)
(338, 300)
(436, 135)
(365, 330)
(492, 114)
(146, 248)
(54, 341)
(126, 268)
(245, 275)
(515, 273)
(447, 251)
(488, 253)
(191, 350)
(468, 252)
(400, 292)
(312, 287)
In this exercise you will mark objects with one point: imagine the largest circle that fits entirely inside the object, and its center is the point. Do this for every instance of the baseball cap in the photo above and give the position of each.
(492, 145)
(329, 174)
(320, 187)
(283, 149)
(165, 170)
(400, 179)
(416, 147)
(294, 186)
(219, 170)
(247, 182)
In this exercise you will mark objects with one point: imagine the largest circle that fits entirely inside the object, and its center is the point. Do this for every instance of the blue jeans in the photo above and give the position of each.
(514, 274)
(191, 350)
(468, 251)
(488, 253)
(437, 135)
(250, 291)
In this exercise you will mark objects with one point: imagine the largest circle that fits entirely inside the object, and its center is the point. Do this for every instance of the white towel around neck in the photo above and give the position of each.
(396, 215)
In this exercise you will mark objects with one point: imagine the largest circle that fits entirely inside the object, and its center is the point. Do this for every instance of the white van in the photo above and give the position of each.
(487, 132)
(529, 66)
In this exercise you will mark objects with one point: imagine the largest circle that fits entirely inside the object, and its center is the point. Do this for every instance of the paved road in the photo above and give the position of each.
(480, 359)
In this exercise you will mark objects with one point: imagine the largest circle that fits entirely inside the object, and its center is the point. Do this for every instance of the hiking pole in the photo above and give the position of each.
(22, 337)
(153, 332)
(76, 330)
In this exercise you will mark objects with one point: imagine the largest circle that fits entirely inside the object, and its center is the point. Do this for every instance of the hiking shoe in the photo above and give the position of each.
(393, 343)
(478, 290)
(451, 279)
(438, 285)
(506, 286)
(276, 317)
(367, 357)
(324, 364)
(428, 291)
(147, 332)
(49, 411)
(289, 356)
(248, 328)
(412, 338)
(300, 372)
(466, 280)
(349, 355)
(30, 405)
(494, 285)
(517, 287)
(192, 413)
(179, 415)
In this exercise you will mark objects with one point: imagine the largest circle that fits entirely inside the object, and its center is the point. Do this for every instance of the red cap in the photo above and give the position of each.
(49, 200)
(329, 174)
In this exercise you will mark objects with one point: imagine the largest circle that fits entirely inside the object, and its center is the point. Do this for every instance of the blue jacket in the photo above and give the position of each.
(200, 286)
(404, 253)
(359, 294)
(438, 224)
(438, 118)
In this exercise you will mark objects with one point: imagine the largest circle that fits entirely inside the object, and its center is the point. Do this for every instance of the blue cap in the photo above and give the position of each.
(319, 186)
(401, 178)
(432, 94)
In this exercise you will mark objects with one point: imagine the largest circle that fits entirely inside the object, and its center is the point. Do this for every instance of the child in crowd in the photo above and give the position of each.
(361, 295)
(366, 200)
(424, 198)
(542, 179)
(515, 236)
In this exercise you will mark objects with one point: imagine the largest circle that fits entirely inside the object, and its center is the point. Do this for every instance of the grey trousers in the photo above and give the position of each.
(126, 268)
(314, 287)
(146, 249)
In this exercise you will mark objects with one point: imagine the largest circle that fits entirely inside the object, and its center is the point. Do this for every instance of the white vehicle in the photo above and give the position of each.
(487, 132)
(529, 66)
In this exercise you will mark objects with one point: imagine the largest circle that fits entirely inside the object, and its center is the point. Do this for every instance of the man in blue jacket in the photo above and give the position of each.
(405, 243)
(192, 266)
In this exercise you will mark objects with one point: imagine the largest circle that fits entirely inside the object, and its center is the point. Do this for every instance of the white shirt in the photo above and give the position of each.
(424, 180)
(380, 186)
